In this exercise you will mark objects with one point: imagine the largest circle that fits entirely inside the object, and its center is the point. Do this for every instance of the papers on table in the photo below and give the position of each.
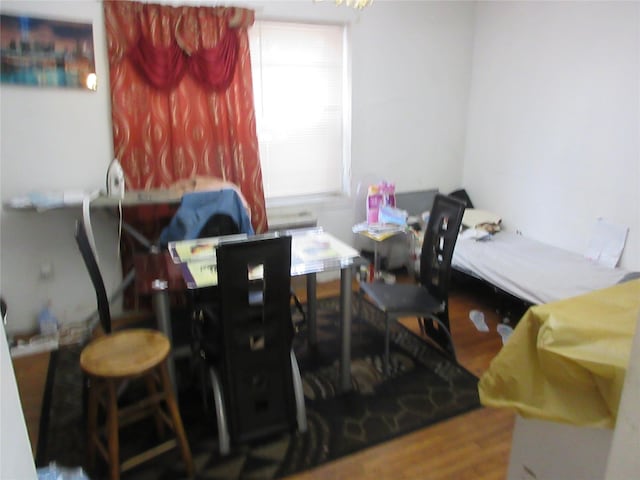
(378, 231)
(312, 248)
(200, 273)
(311, 251)
(317, 251)
(199, 249)
(198, 259)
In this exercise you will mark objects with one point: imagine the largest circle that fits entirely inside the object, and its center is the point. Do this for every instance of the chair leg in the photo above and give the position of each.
(202, 371)
(360, 318)
(223, 431)
(441, 335)
(178, 427)
(112, 430)
(386, 345)
(301, 411)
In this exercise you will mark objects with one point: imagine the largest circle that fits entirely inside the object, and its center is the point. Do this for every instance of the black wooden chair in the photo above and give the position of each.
(138, 319)
(246, 339)
(429, 298)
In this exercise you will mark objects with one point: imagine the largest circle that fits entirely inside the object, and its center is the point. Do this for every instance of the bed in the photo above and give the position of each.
(530, 270)
(520, 271)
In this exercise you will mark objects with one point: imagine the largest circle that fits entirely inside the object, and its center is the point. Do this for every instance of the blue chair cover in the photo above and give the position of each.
(195, 210)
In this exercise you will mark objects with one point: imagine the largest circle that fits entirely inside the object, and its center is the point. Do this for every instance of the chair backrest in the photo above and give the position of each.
(439, 241)
(233, 258)
(461, 194)
(254, 282)
(196, 210)
(219, 224)
(91, 263)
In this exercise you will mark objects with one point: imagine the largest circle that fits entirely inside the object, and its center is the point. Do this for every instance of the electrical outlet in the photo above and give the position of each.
(46, 271)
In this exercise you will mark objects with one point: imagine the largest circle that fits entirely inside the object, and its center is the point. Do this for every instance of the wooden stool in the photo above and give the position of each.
(109, 361)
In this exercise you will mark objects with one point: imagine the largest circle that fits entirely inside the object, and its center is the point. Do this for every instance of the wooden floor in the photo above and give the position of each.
(471, 446)
(31, 376)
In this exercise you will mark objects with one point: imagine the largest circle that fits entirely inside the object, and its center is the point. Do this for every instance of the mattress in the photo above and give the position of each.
(533, 271)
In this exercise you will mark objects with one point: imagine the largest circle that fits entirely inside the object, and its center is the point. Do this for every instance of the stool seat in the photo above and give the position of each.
(124, 354)
(113, 360)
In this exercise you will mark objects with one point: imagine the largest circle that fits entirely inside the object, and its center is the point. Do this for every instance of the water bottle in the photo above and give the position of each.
(47, 321)
(374, 201)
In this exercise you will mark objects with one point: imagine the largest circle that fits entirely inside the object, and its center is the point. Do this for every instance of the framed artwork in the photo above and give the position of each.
(44, 52)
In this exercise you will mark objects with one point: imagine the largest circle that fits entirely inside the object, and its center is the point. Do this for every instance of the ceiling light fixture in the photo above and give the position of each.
(358, 4)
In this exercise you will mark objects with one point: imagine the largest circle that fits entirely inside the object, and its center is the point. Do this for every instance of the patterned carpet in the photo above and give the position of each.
(424, 387)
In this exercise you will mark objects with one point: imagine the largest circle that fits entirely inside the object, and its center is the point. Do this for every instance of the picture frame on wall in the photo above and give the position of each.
(46, 52)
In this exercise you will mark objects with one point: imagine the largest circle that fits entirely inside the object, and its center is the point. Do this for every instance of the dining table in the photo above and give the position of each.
(191, 264)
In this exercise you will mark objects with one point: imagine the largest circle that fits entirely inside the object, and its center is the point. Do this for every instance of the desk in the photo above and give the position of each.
(566, 360)
(47, 200)
(312, 251)
(378, 233)
(136, 198)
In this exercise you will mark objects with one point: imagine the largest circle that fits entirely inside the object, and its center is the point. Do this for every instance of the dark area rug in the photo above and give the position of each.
(424, 387)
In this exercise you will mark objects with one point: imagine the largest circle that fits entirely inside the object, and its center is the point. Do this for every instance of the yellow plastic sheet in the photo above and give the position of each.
(566, 360)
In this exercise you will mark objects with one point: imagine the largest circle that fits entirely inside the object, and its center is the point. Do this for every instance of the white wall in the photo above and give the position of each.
(410, 74)
(53, 138)
(552, 131)
(554, 119)
(16, 457)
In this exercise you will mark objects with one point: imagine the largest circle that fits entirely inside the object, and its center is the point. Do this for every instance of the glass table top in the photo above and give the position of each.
(312, 251)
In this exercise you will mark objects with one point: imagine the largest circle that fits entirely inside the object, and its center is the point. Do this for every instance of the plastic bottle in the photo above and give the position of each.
(47, 321)
(374, 201)
(388, 191)
(477, 317)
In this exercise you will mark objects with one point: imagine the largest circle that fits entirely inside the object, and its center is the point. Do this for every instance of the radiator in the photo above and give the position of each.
(292, 219)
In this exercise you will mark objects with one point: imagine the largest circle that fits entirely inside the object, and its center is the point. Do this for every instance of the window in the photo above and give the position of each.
(299, 83)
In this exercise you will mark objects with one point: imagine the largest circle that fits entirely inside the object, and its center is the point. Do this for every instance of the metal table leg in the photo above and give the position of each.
(162, 310)
(312, 309)
(345, 328)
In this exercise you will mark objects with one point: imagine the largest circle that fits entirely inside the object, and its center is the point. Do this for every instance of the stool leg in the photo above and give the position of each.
(223, 431)
(153, 390)
(178, 427)
(92, 422)
(112, 430)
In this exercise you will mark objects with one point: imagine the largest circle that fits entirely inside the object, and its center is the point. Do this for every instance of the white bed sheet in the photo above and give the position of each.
(531, 270)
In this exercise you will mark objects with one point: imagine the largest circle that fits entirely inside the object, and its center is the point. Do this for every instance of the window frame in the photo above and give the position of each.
(344, 191)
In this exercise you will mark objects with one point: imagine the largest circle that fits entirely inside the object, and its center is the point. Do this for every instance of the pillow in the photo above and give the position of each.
(481, 219)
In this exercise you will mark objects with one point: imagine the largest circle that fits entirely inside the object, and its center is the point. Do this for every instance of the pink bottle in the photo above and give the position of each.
(374, 202)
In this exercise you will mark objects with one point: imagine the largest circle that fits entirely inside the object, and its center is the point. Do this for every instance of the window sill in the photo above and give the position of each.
(311, 202)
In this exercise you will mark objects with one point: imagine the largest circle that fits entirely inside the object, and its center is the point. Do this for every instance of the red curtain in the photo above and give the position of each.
(182, 97)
